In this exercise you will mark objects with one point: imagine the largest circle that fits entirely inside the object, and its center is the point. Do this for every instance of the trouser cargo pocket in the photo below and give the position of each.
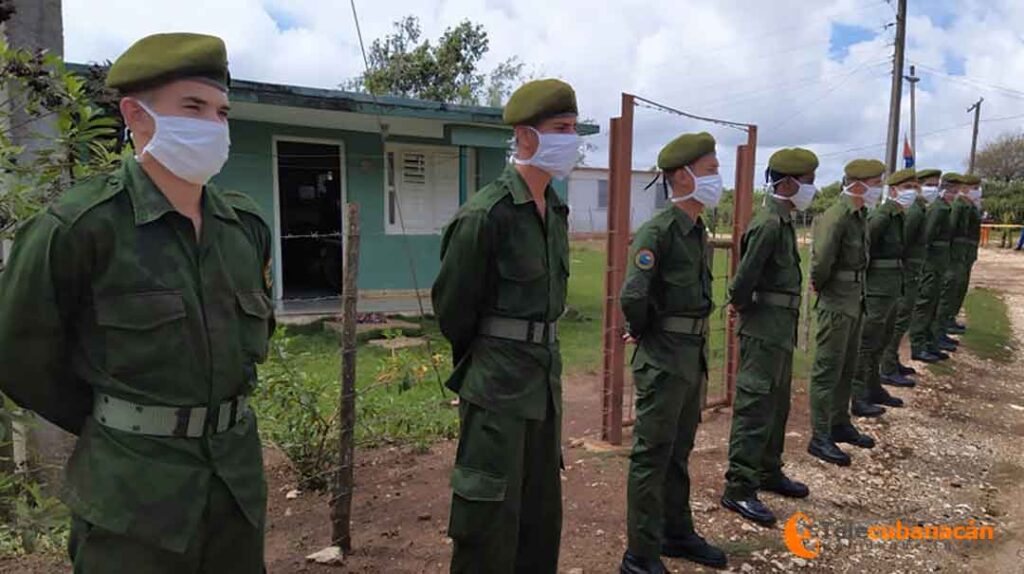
(476, 505)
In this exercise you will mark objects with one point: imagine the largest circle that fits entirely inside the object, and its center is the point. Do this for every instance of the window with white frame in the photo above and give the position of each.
(421, 187)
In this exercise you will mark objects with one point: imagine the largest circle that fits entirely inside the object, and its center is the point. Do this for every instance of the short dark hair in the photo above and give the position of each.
(773, 176)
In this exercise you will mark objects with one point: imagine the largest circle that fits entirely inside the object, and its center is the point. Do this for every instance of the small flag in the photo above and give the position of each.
(908, 154)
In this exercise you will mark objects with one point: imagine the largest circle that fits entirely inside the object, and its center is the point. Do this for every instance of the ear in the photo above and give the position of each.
(132, 113)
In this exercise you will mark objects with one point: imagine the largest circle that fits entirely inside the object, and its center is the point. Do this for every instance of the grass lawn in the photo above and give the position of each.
(989, 334)
(400, 399)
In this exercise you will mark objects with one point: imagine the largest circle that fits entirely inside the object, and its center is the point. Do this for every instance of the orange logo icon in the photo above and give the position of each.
(797, 535)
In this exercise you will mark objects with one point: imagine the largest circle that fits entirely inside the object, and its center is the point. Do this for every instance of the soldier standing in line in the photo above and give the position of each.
(887, 247)
(925, 326)
(965, 220)
(766, 294)
(498, 297)
(837, 275)
(667, 298)
(133, 312)
(893, 372)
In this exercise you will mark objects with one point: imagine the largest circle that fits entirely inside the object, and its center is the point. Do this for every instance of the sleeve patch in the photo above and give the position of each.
(644, 260)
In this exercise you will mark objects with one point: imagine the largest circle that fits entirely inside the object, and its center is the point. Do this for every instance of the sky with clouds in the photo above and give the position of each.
(813, 74)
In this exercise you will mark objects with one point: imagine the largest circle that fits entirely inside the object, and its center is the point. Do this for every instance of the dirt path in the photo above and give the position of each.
(954, 454)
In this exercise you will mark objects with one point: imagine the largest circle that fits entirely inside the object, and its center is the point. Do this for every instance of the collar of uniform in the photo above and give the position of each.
(780, 207)
(521, 192)
(850, 207)
(214, 200)
(683, 220)
(891, 207)
(148, 202)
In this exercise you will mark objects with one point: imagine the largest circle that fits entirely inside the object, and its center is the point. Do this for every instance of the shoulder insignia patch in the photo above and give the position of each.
(644, 260)
(268, 277)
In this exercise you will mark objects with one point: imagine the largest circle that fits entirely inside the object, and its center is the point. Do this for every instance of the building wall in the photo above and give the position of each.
(384, 262)
(587, 216)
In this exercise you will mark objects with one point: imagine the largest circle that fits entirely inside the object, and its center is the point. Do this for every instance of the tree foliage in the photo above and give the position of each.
(1002, 159)
(51, 133)
(403, 64)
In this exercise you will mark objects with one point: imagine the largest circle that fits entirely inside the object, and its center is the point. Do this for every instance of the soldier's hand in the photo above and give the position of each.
(628, 339)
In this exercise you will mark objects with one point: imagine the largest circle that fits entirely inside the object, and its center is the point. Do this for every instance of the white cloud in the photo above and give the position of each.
(762, 62)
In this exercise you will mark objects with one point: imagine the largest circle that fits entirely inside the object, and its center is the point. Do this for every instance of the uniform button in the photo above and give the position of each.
(135, 428)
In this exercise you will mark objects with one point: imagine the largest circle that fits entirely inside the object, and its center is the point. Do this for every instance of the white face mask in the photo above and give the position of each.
(975, 196)
(194, 150)
(707, 190)
(906, 197)
(803, 197)
(870, 197)
(930, 193)
(556, 154)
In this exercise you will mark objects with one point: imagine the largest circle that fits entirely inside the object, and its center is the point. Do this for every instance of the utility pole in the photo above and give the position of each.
(913, 79)
(976, 108)
(897, 86)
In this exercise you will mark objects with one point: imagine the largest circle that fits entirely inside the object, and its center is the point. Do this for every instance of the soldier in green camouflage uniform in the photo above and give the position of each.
(766, 294)
(893, 372)
(498, 296)
(837, 275)
(666, 299)
(925, 326)
(884, 285)
(133, 311)
(965, 221)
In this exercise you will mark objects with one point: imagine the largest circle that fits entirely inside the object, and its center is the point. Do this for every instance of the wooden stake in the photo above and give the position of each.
(341, 503)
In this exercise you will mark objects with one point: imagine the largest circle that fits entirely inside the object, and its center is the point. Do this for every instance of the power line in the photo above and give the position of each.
(806, 106)
(975, 83)
(398, 203)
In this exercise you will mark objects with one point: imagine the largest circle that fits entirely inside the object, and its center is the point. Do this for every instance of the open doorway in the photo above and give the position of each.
(310, 198)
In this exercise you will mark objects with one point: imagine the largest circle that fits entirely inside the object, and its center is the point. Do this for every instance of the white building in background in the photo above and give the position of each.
(588, 199)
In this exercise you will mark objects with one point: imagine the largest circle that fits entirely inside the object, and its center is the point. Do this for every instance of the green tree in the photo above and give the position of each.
(80, 141)
(1002, 159)
(404, 64)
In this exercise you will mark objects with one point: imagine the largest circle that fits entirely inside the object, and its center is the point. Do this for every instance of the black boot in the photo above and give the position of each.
(863, 408)
(850, 435)
(905, 370)
(824, 448)
(632, 564)
(882, 397)
(750, 508)
(957, 328)
(695, 549)
(925, 356)
(788, 488)
(942, 356)
(946, 345)
(897, 380)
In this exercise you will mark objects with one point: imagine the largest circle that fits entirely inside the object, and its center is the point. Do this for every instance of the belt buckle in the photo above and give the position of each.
(183, 417)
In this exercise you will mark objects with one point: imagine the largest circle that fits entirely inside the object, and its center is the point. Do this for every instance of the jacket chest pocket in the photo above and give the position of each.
(683, 285)
(142, 332)
(254, 311)
(523, 283)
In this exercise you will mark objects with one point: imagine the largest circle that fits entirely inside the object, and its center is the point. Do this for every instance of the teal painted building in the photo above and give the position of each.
(304, 153)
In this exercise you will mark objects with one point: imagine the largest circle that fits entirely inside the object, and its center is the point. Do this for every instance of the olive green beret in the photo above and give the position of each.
(685, 150)
(903, 176)
(161, 58)
(864, 169)
(952, 177)
(539, 100)
(793, 161)
(928, 173)
(972, 180)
